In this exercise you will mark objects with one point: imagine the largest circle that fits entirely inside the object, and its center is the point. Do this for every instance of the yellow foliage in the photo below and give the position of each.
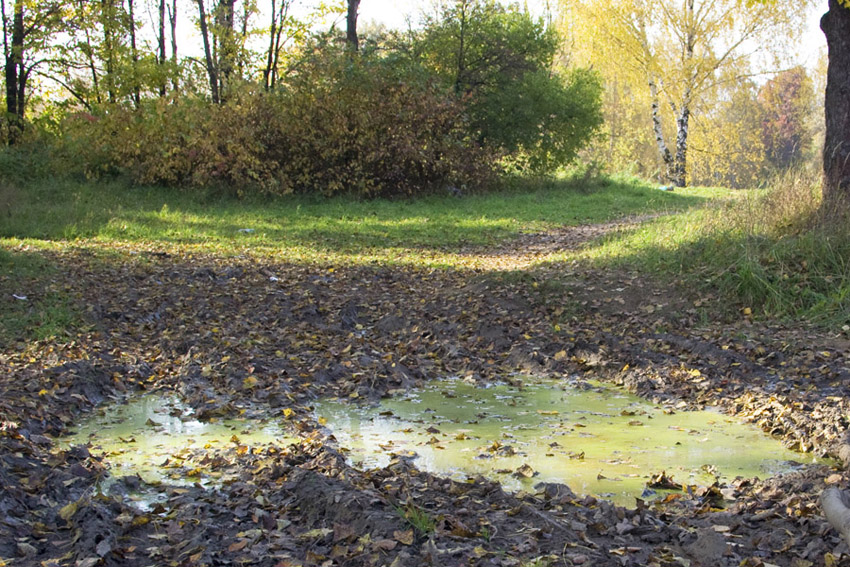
(661, 52)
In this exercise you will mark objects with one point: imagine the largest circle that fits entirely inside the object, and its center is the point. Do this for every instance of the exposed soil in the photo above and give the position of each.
(256, 336)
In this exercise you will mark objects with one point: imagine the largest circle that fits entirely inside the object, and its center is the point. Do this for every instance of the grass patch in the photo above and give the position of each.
(417, 518)
(110, 219)
(767, 251)
(310, 229)
(30, 306)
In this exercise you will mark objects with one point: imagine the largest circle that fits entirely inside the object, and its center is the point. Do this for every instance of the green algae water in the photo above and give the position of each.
(597, 440)
(159, 439)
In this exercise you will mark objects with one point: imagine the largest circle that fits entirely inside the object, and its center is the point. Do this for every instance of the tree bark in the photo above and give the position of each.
(212, 72)
(107, 15)
(161, 46)
(14, 74)
(267, 72)
(172, 20)
(225, 20)
(836, 151)
(351, 26)
(461, 50)
(134, 55)
(663, 150)
(680, 171)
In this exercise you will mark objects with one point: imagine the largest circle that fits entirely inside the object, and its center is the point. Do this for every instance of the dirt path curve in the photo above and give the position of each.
(532, 248)
(241, 335)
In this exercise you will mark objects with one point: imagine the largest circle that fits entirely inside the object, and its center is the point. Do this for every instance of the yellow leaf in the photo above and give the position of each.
(288, 413)
(560, 355)
(405, 538)
(68, 510)
(249, 382)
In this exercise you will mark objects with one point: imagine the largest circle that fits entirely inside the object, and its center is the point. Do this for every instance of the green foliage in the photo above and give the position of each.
(770, 252)
(418, 519)
(498, 59)
(543, 120)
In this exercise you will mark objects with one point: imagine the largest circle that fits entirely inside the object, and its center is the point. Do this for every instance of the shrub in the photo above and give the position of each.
(499, 60)
(363, 126)
(373, 127)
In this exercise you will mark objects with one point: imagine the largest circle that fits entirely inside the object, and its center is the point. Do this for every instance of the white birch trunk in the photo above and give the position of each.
(663, 150)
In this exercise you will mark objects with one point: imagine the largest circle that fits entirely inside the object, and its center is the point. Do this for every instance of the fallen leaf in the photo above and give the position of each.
(524, 471)
(68, 510)
(238, 545)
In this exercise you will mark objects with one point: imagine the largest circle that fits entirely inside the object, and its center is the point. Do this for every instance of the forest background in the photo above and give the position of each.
(269, 97)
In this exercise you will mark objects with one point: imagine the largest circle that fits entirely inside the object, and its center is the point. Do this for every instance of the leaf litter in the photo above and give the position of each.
(230, 340)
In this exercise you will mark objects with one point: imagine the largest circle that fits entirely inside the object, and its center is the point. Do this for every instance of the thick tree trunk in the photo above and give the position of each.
(351, 26)
(836, 151)
(836, 508)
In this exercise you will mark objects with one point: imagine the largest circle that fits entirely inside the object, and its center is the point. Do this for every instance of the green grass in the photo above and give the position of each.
(417, 518)
(30, 307)
(766, 251)
(307, 229)
(109, 219)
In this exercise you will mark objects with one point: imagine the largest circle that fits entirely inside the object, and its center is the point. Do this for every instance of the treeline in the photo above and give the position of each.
(698, 91)
(274, 106)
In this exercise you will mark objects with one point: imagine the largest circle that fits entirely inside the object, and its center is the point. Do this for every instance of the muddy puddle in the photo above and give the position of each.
(156, 440)
(598, 440)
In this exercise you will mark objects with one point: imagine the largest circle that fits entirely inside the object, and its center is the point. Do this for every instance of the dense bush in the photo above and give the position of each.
(499, 60)
(375, 127)
(364, 126)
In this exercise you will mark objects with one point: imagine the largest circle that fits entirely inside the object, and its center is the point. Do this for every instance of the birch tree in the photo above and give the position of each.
(678, 50)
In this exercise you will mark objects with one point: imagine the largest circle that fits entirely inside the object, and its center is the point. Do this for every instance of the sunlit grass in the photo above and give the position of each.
(319, 230)
(111, 221)
(764, 252)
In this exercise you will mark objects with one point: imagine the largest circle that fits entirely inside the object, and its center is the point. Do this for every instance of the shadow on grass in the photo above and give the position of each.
(801, 275)
(62, 209)
(31, 307)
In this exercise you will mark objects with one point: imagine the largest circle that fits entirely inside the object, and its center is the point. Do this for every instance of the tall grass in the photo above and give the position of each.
(772, 251)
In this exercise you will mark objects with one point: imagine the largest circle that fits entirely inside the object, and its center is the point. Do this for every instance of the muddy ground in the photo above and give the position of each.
(254, 336)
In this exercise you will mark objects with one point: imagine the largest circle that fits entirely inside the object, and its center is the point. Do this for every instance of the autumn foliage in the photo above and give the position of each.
(363, 127)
